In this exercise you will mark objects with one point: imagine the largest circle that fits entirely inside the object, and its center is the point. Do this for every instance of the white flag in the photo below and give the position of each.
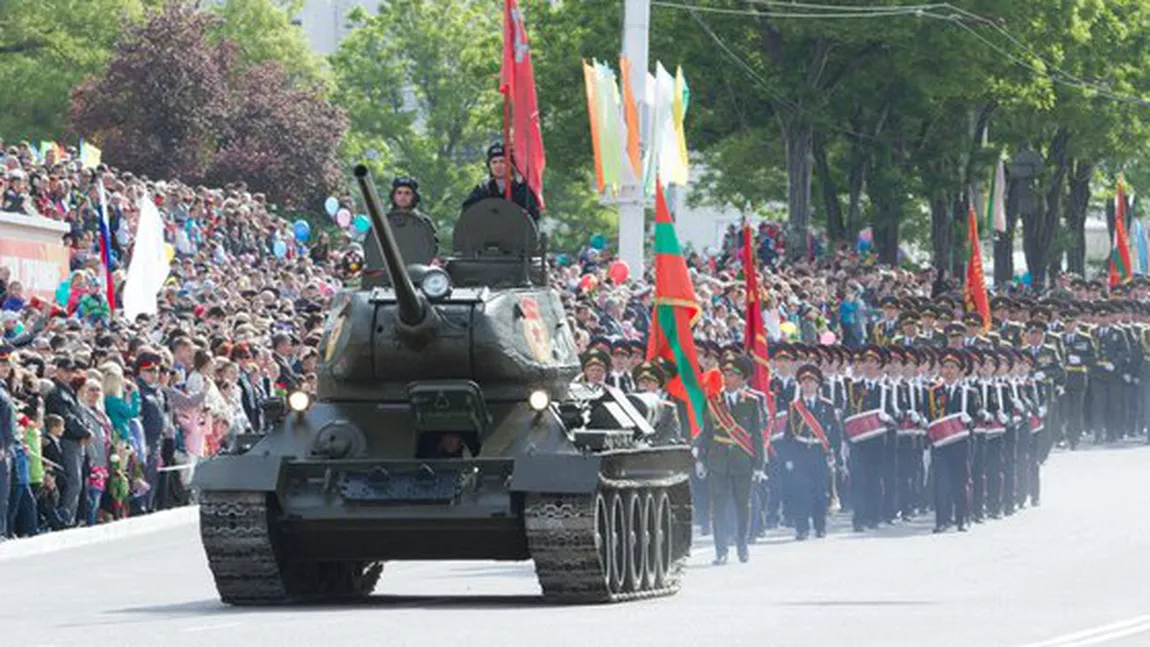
(998, 199)
(149, 268)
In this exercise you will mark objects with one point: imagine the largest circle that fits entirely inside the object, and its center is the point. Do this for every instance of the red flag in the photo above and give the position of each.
(517, 83)
(675, 312)
(1120, 267)
(975, 288)
(756, 334)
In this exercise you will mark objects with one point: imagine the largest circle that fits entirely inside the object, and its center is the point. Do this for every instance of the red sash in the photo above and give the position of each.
(812, 422)
(735, 433)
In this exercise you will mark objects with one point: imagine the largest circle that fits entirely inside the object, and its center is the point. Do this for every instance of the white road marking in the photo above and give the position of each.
(1099, 634)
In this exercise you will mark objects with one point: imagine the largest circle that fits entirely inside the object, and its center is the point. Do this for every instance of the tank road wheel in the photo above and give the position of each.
(650, 543)
(636, 542)
(251, 566)
(663, 540)
(618, 536)
(603, 536)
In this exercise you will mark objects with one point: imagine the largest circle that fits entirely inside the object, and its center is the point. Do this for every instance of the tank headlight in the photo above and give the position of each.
(299, 401)
(436, 284)
(539, 400)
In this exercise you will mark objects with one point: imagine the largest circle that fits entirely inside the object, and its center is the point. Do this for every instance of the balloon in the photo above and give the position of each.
(598, 241)
(169, 252)
(867, 235)
(362, 224)
(828, 338)
(618, 272)
(331, 205)
(788, 328)
(302, 230)
(279, 248)
(562, 260)
(343, 218)
(588, 283)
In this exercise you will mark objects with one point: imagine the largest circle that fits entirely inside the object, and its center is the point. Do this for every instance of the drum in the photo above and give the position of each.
(947, 430)
(909, 427)
(1035, 424)
(864, 426)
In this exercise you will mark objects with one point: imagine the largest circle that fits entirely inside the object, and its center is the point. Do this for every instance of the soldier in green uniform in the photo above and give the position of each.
(1113, 349)
(1080, 360)
(649, 378)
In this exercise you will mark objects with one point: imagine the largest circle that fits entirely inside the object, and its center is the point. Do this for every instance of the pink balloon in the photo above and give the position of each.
(588, 283)
(827, 338)
(343, 218)
(618, 272)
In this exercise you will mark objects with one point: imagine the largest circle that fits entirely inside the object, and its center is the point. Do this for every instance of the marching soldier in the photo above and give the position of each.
(649, 378)
(908, 323)
(950, 454)
(886, 329)
(809, 451)
(595, 363)
(732, 452)
(928, 323)
(620, 375)
(867, 398)
(1046, 375)
(1079, 363)
(1112, 349)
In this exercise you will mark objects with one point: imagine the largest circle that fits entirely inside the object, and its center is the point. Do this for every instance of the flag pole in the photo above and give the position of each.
(507, 146)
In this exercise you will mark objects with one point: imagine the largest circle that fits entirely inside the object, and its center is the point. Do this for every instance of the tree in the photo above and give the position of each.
(46, 47)
(420, 84)
(280, 140)
(164, 99)
(173, 105)
(262, 31)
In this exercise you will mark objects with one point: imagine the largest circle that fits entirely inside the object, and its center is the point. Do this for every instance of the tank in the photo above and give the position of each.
(448, 425)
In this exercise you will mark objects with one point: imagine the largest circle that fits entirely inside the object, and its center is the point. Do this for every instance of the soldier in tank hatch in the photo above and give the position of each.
(496, 184)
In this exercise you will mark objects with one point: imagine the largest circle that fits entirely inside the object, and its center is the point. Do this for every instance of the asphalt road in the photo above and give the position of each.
(1074, 572)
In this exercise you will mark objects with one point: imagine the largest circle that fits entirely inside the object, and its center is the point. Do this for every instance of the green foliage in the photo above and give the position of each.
(420, 82)
(46, 48)
(262, 31)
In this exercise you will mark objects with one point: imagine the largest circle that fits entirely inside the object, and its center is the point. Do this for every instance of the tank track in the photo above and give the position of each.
(575, 559)
(251, 566)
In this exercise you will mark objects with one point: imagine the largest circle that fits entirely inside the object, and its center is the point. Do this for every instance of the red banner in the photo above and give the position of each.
(39, 266)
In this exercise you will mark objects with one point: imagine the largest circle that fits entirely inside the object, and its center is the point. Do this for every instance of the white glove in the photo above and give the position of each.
(985, 415)
(884, 417)
(1107, 365)
(700, 470)
(1041, 412)
(1002, 417)
(1040, 376)
(965, 419)
(695, 452)
(789, 466)
(1126, 378)
(758, 476)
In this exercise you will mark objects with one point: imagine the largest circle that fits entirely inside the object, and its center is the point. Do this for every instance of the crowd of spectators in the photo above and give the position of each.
(112, 415)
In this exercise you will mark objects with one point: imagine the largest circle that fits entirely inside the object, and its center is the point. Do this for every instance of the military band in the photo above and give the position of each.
(939, 413)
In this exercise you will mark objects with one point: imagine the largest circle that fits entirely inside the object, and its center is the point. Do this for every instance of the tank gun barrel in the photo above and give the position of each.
(412, 307)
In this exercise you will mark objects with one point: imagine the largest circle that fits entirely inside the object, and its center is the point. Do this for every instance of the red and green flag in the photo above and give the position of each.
(675, 311)
(1120, 268)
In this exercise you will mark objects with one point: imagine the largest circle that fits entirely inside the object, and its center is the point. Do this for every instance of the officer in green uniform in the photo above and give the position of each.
(1080, 359)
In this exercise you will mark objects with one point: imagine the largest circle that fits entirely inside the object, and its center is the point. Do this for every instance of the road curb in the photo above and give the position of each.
(79, 537)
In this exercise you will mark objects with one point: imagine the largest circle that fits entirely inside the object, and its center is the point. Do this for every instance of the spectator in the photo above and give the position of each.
(61, 401)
